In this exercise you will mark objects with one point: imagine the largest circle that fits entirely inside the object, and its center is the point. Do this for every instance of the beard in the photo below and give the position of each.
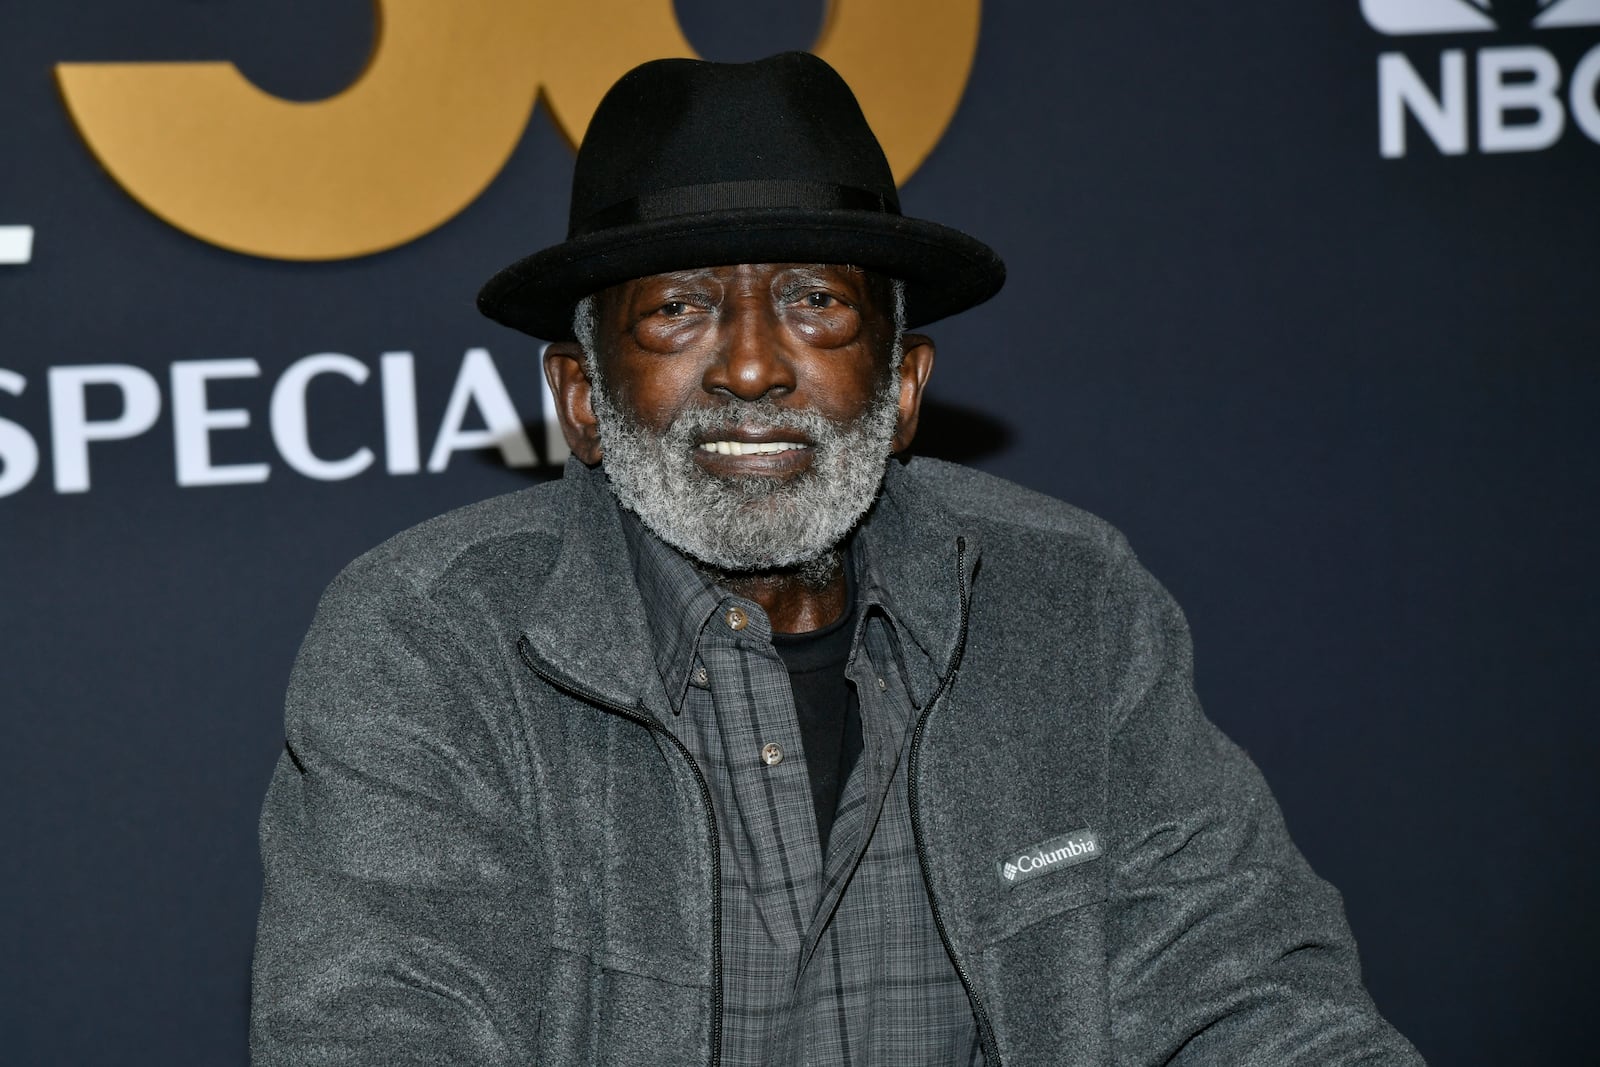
(752, 522)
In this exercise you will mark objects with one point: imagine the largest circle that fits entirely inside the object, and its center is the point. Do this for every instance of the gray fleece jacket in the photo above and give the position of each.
(482, 848)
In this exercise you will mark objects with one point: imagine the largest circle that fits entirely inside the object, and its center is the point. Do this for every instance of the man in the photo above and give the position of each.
(744, 743)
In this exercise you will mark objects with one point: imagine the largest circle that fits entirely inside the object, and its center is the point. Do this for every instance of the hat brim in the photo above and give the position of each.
(944, 270)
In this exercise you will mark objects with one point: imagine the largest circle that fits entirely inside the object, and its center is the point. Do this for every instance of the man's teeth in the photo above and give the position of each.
(749, 448)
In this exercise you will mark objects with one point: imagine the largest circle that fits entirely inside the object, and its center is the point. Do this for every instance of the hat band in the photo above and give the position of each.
(736, 196)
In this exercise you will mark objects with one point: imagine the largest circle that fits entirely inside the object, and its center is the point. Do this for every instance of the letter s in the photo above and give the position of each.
(19, 453)
(428, 124)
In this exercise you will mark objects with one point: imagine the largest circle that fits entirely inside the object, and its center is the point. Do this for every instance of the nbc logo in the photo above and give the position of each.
(1400, 17)
(1518, 87)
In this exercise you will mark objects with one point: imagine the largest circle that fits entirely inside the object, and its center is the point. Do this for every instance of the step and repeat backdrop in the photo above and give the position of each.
(1304, 297)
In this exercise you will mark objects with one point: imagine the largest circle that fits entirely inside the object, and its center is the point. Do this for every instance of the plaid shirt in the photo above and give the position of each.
(826, 959)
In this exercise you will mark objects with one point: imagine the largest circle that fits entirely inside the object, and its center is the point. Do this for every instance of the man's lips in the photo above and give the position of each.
(773, 450)
(753, 441)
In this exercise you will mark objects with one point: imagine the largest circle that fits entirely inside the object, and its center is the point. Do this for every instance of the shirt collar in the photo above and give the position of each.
(678, 602)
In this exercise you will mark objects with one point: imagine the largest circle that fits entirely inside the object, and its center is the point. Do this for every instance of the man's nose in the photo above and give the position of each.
(752, 361)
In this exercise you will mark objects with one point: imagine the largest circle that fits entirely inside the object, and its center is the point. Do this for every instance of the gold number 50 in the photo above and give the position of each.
(441, 104)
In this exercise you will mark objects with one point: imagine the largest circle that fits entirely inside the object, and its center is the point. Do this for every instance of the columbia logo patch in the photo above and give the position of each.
(1079, 846)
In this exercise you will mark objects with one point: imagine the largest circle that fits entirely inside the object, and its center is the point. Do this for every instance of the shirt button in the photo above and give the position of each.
(883, 686)
(772, 753)
(736, 619)
(702, 676)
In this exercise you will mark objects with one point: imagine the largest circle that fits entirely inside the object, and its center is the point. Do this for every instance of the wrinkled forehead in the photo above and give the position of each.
(871, 290)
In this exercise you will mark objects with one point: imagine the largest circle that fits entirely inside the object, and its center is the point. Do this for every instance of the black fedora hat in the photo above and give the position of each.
(695, 164)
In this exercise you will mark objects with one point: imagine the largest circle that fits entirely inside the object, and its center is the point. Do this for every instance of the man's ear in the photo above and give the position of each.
(570, 387)
(915, 367)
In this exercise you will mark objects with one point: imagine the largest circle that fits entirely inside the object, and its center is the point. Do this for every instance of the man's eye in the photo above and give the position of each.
(820, 300)
(673, 307)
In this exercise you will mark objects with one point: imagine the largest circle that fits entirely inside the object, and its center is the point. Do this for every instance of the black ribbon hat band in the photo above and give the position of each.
(736, 196)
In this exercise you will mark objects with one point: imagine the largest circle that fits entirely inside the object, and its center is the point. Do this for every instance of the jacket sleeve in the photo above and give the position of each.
(403, 919)
(1224, 947)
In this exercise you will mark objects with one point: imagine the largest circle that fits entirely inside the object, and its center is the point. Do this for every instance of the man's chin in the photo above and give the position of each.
(760, 494)
(747, 526)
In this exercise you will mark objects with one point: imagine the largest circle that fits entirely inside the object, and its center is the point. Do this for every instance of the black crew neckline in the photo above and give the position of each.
(826, 646)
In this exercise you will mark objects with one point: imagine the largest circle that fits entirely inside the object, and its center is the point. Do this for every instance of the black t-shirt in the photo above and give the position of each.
(829, 713)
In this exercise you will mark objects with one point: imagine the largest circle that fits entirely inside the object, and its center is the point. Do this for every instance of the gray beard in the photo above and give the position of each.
(752, 523)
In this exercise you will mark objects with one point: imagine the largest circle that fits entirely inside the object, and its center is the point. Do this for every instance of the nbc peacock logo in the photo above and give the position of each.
(1524, 95)
(1404, 17)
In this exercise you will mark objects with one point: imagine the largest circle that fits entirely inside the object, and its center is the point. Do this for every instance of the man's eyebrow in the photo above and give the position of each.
(852, 283)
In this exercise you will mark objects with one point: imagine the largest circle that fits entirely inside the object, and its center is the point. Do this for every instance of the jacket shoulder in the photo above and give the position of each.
(451, 585)
(525, 524)
(1005, 511)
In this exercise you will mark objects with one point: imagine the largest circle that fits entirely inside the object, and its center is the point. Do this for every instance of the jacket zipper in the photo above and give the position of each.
(991, 1050)
(649, 722)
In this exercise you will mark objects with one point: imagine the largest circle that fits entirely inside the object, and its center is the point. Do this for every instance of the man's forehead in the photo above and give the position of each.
(733, 269)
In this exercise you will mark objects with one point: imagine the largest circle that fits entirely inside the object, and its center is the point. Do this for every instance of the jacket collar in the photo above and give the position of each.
(587, 627)
(917, 557)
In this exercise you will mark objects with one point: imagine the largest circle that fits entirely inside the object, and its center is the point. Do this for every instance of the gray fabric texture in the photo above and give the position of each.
(487, 849)
(826, 960)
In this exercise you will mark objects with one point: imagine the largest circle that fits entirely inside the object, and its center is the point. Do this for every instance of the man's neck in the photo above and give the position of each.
(796, 600)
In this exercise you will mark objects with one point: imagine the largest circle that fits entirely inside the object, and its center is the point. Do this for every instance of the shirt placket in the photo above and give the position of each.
(775, 833)
(885, 712)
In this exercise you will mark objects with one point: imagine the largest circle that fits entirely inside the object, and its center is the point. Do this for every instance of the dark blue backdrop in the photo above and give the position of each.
(1344, 406)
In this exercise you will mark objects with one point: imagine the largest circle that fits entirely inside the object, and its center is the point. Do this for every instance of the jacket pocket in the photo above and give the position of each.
(1046, 979)
(601, 1013)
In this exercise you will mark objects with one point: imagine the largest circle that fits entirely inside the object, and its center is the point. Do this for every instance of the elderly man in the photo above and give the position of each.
(745, 743)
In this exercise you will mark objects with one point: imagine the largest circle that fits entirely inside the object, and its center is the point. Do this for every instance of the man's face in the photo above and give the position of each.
(746, 412)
